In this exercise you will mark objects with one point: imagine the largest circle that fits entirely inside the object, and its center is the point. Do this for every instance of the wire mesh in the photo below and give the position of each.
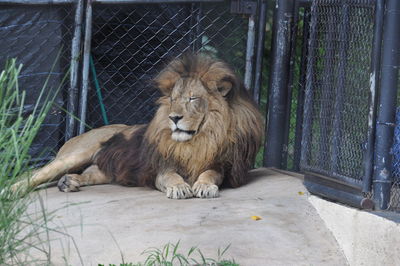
(395, 191)
(337, 88)
(35, 35)
(132, 43)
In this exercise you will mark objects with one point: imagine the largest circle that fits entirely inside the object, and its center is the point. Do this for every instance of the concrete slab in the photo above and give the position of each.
(109, 220)
(366, 238)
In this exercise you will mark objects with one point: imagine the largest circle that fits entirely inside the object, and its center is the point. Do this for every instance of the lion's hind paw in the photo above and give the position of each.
(205, 190)
(179, 191)
(67, 183)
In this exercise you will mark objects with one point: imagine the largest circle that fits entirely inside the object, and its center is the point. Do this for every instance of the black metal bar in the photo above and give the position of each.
(300, 95)
(251, 35)
(305, 3)
(85, 70)
(340, 86)
(290, 83)
(262, 19)
(336, 176)
(278, 87)
(373, 97)
(37, 2)
(386, 115)
(331, 189)
(75, 59)
(150, 1)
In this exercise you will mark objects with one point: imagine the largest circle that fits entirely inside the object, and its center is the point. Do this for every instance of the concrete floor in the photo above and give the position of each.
(109, 220)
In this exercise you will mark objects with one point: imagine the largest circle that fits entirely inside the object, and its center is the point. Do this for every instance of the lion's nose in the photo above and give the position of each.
(175, 118)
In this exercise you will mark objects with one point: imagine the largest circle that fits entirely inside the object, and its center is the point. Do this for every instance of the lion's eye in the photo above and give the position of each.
(191, 99)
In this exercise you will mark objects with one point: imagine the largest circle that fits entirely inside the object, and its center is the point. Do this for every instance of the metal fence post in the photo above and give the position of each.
(387, 103)
(85, 71)
(251, 35)
(300, 96)
(278, 86)
(374, 86)
(262, 19)
(291, 84)
(75, 59)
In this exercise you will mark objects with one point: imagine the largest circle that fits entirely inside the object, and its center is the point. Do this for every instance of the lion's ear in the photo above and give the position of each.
(225, 85)
(166, 80)
(221, 77)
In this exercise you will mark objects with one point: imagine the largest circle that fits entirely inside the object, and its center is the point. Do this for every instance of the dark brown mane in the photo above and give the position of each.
(125, 160)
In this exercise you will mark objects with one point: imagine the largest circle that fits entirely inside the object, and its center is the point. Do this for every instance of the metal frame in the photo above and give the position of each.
(300, 96)
(262, 19)
(75, 56)
(292, 56)
(377, 162)
(118, 2)
(85, 68)
(278, 86)
(374, 88)
(37, 2)
(387, 102)
(340, 191)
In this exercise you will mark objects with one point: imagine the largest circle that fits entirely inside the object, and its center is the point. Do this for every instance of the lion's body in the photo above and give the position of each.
(206, 130)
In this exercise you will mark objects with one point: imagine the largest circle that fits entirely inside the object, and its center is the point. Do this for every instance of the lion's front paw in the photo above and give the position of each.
(205, 190)
(67, 183)
(179, 191)
(20, 186)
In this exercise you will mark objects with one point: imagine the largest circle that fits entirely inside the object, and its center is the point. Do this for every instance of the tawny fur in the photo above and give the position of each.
(223, 132)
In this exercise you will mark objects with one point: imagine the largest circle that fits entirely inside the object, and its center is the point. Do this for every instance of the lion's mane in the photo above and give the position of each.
(228, 140)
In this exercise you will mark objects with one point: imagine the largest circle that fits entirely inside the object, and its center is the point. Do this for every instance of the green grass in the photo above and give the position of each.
(170, 255)
(19, 232)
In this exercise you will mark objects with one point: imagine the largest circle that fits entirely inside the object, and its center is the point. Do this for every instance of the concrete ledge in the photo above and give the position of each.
(366, 238)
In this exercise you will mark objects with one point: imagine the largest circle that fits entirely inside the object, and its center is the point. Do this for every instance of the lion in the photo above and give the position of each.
(206, 131)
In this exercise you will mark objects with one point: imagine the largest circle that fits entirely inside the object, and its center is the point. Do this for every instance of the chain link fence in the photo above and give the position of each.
(39, 36)
(132, 43)
(395, 191)
(337, 89)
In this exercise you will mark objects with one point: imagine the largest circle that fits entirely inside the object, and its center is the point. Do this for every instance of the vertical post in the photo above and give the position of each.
(296, 10)
(262, 19)
(85, 71)
(300, 95)
(387, 105)
(278, 86)
(73, 88)
(251, 34)
(373, 97)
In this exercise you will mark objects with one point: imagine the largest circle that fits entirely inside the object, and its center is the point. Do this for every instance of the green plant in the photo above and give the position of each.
(19, 231)
(170, 255)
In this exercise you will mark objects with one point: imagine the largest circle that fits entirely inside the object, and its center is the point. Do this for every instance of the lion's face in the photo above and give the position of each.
(195, 99)
(188, 107)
